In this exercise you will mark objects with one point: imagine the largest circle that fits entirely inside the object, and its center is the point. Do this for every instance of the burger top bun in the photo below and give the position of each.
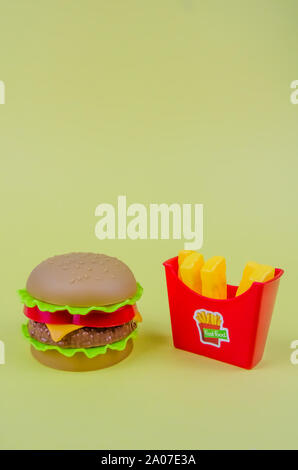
(82, 280)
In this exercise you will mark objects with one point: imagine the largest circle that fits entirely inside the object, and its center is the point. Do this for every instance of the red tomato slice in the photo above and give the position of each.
(95, 318)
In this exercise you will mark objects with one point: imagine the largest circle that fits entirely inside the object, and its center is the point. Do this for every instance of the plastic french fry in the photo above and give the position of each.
(254, 272)
(183, 254)
(247, 272)
(190, 271)
(213, 275)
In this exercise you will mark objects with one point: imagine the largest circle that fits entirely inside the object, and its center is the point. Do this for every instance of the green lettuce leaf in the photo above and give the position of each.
(69, 352)
(30, 301)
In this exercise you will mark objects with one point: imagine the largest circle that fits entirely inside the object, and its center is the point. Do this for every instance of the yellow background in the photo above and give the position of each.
(164, 101)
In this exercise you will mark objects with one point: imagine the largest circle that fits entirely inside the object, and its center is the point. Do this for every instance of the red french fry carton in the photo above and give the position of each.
(237, 327)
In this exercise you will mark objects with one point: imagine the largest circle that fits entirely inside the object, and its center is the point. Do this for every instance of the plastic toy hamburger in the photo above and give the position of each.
(81, 310)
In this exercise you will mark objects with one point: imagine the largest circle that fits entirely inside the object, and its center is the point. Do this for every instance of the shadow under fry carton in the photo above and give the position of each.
(232, 330)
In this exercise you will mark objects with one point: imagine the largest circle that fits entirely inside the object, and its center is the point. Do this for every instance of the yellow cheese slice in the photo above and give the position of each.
(138, 318)
(190, 271)
(213, 274)
(57, 332)
(254, 272)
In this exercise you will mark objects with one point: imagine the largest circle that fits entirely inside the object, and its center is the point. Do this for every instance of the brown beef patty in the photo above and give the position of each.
(87, 337)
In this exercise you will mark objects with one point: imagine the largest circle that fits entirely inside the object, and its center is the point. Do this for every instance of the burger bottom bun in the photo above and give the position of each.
(79, 362)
